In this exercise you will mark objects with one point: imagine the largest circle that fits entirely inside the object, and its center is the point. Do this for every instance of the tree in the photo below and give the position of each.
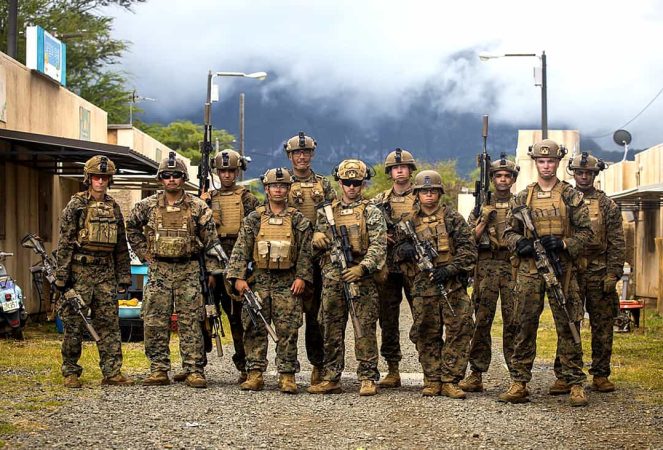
(185, 137)
(91, 51)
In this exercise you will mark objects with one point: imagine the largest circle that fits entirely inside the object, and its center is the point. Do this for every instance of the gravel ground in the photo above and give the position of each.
(222, 416)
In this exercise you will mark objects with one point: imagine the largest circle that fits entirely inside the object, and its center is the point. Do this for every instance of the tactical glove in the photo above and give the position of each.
(353, 273)
(609, 284)
(405, 252)
(60, 285)
(488, 212)
(320, 241)
(552, 243)
(524, 247)
(441, 274)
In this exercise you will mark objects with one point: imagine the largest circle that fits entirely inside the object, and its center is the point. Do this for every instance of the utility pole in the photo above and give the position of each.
(241, 131)
(12, 24)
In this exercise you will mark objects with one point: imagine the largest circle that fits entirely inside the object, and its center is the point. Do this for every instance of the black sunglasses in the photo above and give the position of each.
(166, 175)
(355, 183)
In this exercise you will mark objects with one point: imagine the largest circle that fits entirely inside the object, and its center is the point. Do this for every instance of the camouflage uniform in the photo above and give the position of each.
(334, 311)
(306, 203)
(493, 279)
(443, 359)
(391, 291)
(174, 284)
(273, 285)
(604, 256)
(574, 226)
(93, 268)
(242, 202)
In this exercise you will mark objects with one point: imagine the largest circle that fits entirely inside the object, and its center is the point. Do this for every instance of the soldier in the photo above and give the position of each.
(367, 236)
(396, 202)
(493, 275)
(276, 238)
(307, 192)
(562, 221)
(93, 259)
(598, 275)
(168, 230)
(230, 204)
(443, 360)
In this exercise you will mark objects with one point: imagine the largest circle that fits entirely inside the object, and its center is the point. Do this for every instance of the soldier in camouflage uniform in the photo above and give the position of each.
(168, 230)
(598, 275)
(562, 221)
(93, 259)
(307, 192)
(367, 236)
(443, 359)
(276, 238)
(396, 203)
(493, 275)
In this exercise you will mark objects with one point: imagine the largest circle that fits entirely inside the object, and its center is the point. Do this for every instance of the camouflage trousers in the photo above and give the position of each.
(493, 280)
(233, 310)
(313, 331)
(96, 285)
(442, 358)
(334, 319)
(602, 309)
(284, 311)
(174, 287)
(529, 302)
(391, 294)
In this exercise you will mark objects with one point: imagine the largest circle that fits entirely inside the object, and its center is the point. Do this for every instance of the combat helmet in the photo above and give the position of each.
(173, 164)
(547, 148)
(504, 164)
(98, 165)
(428, 179)
(399, 157)
(585, 161)
(229, 159)
(352, 169)
(300, 142)
(277, 175)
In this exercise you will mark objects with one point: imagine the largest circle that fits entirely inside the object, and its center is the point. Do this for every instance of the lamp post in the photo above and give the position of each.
(203, 171)
(544, 84)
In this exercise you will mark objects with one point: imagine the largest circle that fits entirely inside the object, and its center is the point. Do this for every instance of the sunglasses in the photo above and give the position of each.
(305, 152)
(429, 191)
(167, 175)
(354, 183)
(99, 177)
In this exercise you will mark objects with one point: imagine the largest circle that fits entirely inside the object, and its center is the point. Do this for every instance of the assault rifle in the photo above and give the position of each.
(425, 255)
(548, 265)
(71, 297)
(213, 326)
(482, 192)
(340, 255)
(253, 306)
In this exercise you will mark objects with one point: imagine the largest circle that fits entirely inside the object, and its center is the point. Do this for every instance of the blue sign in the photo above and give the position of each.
(46, 54)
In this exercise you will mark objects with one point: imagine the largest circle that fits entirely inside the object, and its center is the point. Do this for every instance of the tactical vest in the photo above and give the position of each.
(497, 226)
(434, 230)
(174, 230)
(274, 246)
(99, 231)
(599, 243)
(306, 196)
(401, 205)
(549, 212)
(353, 219)
(228, 212)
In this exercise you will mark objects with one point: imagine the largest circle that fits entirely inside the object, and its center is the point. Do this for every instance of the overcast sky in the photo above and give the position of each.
(363, 57)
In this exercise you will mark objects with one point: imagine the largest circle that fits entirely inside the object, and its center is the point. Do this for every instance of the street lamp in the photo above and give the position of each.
(544, 84)
(207, 117)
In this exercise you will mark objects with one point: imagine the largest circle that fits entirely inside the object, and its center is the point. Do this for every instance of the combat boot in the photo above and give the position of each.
(602, 384)
(473, 383)
(117, 380)
(578, 396)
(316, 375)
(325, 387)
(242, 377)
(180, 376)
(368, 388)
(451, 390)
(196, 380)
(517, 393)
(393, 378)
(287, 383)
(559, 387)
(432, 389)
(157, 378)
(254, 381)
(72, 382)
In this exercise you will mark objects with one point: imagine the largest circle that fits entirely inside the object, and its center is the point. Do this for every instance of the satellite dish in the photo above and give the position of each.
(622, 137)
